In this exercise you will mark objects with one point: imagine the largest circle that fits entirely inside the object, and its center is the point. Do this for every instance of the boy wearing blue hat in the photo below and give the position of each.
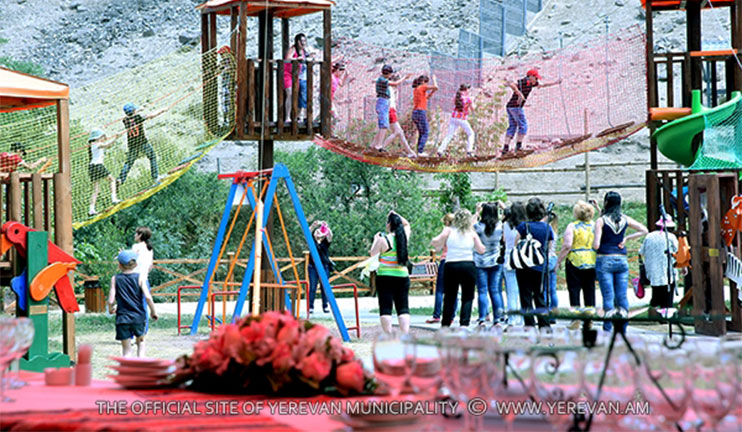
(126, 298)
(136, 142)
(97, 171)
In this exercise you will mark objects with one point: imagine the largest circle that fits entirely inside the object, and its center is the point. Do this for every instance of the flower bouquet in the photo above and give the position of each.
(274, 354)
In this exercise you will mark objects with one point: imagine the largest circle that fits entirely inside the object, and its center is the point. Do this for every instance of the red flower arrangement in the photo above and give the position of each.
(275, 354)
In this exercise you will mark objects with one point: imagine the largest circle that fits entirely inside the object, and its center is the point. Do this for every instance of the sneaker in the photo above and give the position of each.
(92, 212)
(311, 311)
(422, 154)
(432, 320)
(505, 150)
(115, 200)
(482, 323)
(326, 309)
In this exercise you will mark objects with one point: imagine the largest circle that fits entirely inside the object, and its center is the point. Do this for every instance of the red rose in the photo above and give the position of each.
(232, 342)
(349, 376)
(289, 333)
(348, 355)
(316, 367)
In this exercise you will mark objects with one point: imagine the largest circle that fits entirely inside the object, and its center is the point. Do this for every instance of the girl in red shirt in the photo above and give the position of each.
(459, 119)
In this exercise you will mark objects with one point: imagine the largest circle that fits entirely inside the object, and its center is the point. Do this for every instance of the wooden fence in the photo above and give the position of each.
(349, 264)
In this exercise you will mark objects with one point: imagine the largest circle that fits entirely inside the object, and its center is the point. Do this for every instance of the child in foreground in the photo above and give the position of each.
(126, 299)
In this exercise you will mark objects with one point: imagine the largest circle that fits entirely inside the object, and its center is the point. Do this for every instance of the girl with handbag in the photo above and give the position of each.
(532, 243)
(461, 241)
(392, 276)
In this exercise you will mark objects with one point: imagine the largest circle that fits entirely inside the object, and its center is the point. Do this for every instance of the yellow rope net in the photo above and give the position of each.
(131, 134)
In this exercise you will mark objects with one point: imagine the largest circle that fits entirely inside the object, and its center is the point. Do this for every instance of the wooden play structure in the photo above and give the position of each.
(260, 99)
(39, 200)
(259, 190)
(690, 196)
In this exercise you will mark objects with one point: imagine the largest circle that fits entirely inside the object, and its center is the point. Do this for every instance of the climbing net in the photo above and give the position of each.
(600, 100)
(184, 105)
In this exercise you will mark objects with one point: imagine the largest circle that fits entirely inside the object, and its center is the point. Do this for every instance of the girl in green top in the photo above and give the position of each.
(392, 277)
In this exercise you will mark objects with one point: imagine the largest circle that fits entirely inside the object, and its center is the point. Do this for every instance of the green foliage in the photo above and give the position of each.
(21, 66)
(355, 199)
(454, 192)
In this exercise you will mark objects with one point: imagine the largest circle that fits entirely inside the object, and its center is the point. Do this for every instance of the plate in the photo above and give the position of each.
(142, 371)
(142, 362)
(134, 379)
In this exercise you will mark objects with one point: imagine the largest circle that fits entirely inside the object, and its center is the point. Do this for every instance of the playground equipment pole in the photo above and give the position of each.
(587, 166)
(258, 257)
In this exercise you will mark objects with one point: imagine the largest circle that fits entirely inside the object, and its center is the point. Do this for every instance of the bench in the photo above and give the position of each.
(424, 273)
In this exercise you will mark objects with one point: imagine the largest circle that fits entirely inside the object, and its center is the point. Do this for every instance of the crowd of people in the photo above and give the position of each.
(484, 252)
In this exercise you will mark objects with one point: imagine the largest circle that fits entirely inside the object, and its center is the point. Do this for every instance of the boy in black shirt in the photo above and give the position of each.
(516, 117)
(125, 299)
(136, 142)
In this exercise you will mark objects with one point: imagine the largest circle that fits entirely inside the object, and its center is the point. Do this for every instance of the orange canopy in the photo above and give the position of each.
(19, 91)
(680, 4)
(281, 8)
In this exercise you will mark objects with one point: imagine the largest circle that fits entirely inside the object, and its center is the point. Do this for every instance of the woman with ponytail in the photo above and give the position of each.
(392, 276)
(460, 119)
(461, 241)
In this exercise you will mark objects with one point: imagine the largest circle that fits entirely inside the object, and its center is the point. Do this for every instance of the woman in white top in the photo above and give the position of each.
(461, 241)
(97, 171)
(143, 248)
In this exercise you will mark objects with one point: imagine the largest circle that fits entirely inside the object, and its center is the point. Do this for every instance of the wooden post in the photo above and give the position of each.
(243, 75)
(651, 77)
(258, 257)
(587, 163)
(234, 16)
(63, 211)
(295, 97)
(310, 97)
(325, 75)
(693, 36)
(251, 85)
(280, 98)
(736, 21)
(38, 202)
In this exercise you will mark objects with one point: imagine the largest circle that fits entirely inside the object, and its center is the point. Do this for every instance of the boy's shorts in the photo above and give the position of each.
(382, 110)
(393, 116)
(127, 331)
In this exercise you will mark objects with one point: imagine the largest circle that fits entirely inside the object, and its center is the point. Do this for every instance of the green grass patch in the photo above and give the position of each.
(30, 68)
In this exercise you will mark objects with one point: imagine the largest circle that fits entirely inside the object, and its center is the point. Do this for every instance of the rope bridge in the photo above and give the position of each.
(600, 99)
(165, 130)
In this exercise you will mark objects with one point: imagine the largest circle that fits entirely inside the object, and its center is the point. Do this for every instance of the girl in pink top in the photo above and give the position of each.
(459, 119)
(339, 78)
(298, 51)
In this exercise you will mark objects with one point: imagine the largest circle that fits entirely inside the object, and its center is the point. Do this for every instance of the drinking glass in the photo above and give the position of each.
(619, 382)
(425, 375)
(24, 333)
(666, 369)
(555, 376)
(470, 371)
(393, 360)
(7, 348)
(714, 383)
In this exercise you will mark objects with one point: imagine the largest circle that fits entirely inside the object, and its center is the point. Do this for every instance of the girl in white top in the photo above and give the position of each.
(461, 241)
(96, 169)
(143, 248)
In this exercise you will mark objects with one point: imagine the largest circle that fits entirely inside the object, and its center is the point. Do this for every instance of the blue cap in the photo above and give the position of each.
(96, 134)
(129, 108)
(126, 256)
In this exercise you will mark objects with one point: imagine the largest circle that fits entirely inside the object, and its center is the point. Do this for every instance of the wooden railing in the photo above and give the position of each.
(679, 65)
(268, 103)
(195, 276)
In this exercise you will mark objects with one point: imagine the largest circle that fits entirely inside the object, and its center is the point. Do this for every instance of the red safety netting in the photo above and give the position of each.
(601, 100)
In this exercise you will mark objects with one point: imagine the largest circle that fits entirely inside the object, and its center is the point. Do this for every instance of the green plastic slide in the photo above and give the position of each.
(680, 140)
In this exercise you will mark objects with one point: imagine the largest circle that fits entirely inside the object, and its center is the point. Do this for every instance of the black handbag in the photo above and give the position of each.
(643, 279)
(527, 253)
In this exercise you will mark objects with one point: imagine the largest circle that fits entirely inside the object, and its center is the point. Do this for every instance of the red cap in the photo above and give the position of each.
(224, 49)
(533, 73)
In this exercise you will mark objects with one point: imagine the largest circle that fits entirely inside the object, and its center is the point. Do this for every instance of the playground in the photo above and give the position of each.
(324, 268)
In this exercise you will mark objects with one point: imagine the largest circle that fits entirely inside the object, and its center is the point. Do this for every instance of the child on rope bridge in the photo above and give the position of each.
(97, 171)
(136, 142)
(394, 122)
(459, 119)
(228, 85)
(11, 161)
(516, 117)
(383, 96)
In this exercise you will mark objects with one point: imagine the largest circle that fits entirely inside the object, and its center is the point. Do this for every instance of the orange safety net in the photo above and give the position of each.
(601, 98)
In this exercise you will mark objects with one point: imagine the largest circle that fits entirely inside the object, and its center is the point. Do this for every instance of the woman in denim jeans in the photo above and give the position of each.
(322, 238)
(489, 273)
(514, 215)
(611, 265)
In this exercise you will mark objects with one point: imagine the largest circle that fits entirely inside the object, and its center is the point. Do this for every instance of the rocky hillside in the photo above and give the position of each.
(79, 41)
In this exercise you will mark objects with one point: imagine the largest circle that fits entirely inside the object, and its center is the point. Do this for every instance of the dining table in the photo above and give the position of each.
(104, 405)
